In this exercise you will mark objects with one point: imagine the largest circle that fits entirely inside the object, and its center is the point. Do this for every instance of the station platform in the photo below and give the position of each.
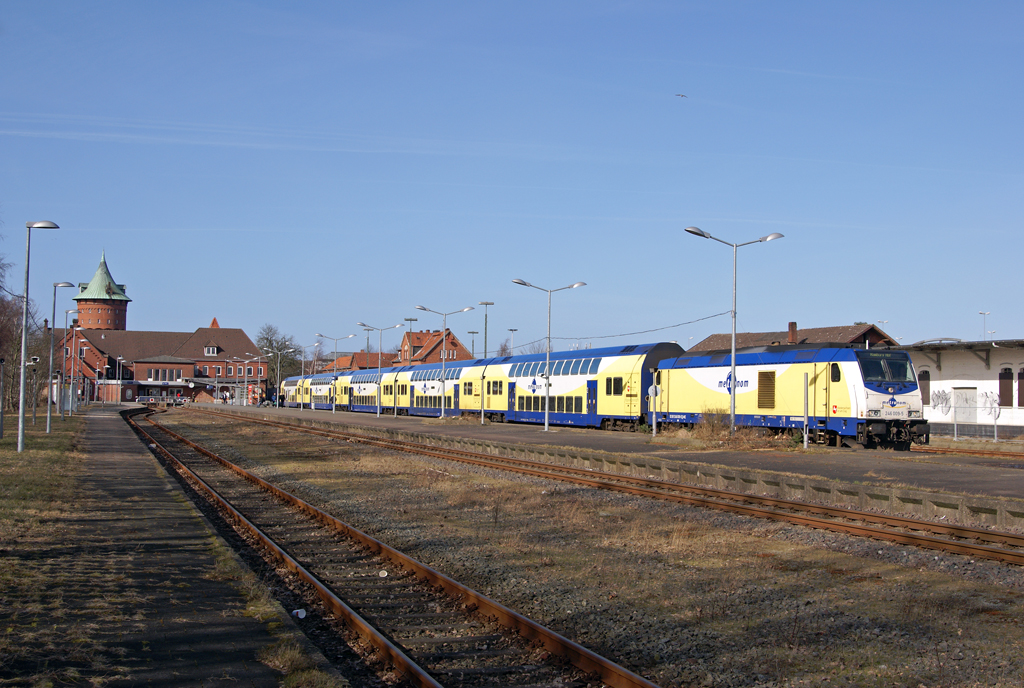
(961, 474)
(186, 625)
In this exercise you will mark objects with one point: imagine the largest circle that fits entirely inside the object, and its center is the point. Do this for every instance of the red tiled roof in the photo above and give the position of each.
(361, 360)
(812, 335)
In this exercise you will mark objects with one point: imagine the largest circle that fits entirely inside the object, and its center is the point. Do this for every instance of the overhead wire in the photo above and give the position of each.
(627, 334)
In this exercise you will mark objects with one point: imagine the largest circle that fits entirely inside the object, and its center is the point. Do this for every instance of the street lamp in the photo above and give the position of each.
(732, 375)
(268, 350)
(64, 368)
(984, 324)
(53, 326)
(485, 304)
(444, 338)
(120, 377)
(512, 340)
(336, 340)
(380, 338)
(474, 333)
(29, 226)
(547, 364)
(35, 387)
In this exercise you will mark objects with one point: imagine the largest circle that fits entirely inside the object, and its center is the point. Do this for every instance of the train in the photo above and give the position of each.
(854, 397)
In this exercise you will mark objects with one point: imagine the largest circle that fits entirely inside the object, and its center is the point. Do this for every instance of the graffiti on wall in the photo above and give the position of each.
(990, 403)
(942, 400)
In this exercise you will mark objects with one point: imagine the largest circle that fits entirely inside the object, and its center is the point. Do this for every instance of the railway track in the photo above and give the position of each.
(431, 629)
(969, 452)
(965, 540)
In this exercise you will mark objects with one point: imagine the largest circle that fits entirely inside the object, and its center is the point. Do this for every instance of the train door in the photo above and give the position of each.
(632, 393)
(592, 403)
(455, 398)
(511, 400)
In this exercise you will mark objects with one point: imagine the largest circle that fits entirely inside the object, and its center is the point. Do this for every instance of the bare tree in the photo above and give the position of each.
(272, 339)
(505, 348)
(537, 347)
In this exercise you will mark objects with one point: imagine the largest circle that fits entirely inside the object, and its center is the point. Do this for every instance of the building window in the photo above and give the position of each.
(210, 351)
(260, 371)
(231, 371)
(1006, 387)
(248, 371)
(924, 381)
(219, 369)
(206, 370)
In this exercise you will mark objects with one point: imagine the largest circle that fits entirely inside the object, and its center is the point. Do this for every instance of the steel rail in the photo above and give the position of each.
(590, 662)
(723, 500)
(412, 671)
(968, 452)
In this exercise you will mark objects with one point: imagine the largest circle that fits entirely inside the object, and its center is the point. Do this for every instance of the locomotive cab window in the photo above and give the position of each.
(836, 375)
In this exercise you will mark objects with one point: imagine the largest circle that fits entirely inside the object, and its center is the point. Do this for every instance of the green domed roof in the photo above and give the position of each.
(102, 287)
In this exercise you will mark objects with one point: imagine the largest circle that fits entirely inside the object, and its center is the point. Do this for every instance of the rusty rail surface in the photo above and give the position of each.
(835, 519)
(968, 452)
(609, 672)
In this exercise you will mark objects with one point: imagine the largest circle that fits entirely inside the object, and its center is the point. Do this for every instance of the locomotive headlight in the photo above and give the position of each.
(891, 390)
(915, 414)
(874, 413)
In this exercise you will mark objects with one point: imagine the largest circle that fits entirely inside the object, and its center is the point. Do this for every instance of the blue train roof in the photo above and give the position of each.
(772, 355)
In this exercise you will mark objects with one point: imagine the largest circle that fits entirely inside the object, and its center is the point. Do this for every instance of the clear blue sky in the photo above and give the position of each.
(314, 164)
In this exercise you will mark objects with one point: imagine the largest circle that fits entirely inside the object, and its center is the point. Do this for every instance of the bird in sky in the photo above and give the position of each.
(680, 95)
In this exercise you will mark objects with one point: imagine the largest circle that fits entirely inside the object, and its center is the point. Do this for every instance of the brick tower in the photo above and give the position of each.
(101, 303)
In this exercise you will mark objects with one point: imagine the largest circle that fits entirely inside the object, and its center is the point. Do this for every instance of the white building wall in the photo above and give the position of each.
(964, 386)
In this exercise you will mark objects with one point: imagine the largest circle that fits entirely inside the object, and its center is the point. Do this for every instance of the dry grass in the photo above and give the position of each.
(752, 604)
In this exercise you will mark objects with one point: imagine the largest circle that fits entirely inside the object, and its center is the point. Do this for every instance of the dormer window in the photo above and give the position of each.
(210, 351)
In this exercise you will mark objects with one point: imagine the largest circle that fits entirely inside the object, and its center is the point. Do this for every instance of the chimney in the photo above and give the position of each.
(792, 333)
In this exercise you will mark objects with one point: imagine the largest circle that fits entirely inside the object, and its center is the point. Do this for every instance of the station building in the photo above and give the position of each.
(974, 389)
(99, 359)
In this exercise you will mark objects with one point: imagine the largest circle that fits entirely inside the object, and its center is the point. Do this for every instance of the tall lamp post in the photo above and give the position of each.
(444, 338)
(547, 364)
(380, 338)
(485, 304)
(336, 340)
(512, 340)
(984, 324)
(29, 226)
(474, 333)
(278, 352)
(732, 375)
(53, 326)
(64, 368)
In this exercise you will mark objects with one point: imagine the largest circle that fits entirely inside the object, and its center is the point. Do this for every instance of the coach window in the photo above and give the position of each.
(558, 368)
(1006, 387)
(836, 376)
(924, 382)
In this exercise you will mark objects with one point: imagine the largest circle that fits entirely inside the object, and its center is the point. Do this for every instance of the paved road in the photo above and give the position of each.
(945, 472)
